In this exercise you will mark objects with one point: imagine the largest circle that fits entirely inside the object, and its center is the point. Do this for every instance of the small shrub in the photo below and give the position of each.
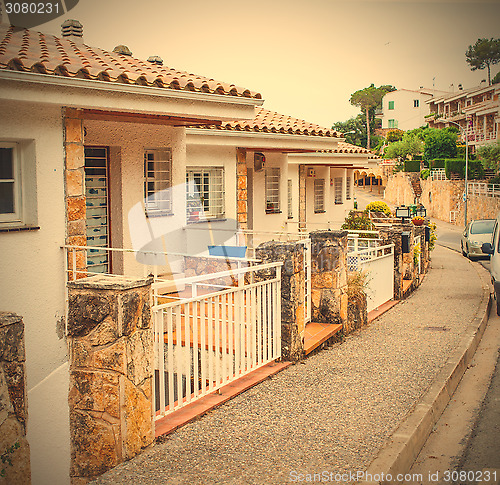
(432, 242)
(357, 282)
(416, 253)
(357, 221)
(378, 206)
(424, 174)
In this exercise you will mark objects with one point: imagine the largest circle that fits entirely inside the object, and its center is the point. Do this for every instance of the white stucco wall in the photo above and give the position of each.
(262, 221)
(127, 142)
(32, 285)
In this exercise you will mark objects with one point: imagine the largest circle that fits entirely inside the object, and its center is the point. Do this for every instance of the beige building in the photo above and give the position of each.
(476, 110)
(405, 109)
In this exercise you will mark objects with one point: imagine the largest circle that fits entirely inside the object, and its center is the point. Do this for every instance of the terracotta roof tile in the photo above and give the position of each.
(266, 121)
(28, 50)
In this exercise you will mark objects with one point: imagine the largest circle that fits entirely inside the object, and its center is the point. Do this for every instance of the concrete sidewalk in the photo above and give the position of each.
(332, 413)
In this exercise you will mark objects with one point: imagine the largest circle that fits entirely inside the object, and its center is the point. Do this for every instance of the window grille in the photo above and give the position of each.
(290, 205)
(338, 190)
(272, 190)
(205, 192)
(158, 180)
(348, 188)
(319, 195)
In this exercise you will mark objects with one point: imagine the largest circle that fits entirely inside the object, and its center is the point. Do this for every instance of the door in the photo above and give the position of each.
(97, 195)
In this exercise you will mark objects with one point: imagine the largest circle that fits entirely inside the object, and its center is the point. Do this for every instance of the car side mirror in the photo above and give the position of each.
(487, 248)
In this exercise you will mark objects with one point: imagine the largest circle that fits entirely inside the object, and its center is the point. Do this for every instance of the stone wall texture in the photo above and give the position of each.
(13, 402)
(329, 277)
(440, 197)
(110, 340)
(75, 188)
(292, 294)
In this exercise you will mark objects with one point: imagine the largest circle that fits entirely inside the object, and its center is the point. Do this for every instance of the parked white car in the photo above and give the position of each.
(476, 233)
(493, 248)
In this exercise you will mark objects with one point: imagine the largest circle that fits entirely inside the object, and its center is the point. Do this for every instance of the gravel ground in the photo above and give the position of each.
(332, 412)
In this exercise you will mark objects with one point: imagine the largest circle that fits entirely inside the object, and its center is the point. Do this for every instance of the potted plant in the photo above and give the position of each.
(418, 221)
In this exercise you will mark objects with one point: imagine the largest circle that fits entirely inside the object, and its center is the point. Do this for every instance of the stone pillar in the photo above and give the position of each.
(241, 189)
(292, 294)
(13, 403)
(329, 299)
(403, 263)
(302, 197)
(75, 185)
(110, 340)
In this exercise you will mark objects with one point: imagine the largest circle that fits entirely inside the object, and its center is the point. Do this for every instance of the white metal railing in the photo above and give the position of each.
(483, 188)
(438, 174)
(479, 135)
(204, 342)
(356, 258)
(356, 243)
(77, 267)
(378, 264)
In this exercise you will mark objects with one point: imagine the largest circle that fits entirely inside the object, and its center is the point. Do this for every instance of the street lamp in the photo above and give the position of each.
(466, 165)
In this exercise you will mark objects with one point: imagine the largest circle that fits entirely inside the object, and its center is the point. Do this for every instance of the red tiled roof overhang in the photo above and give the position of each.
(28, 50)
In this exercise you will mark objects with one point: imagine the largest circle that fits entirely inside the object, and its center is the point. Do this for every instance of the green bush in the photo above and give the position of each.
(358, 221)
(424, 174)
(437, 163)
(378, 206)
(412, 166)
(457, 165)
(494, 180)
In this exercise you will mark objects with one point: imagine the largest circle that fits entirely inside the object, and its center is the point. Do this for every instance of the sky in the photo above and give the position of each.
(306, 57)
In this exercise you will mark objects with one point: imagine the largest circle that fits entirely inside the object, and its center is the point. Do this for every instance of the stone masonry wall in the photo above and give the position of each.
(329, 277)
(75, 187)
(110, 340)
(292, 294)
(442, 196)
(13, 402)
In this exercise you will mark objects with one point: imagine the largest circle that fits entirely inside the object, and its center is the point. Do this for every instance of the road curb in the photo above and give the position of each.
(398, 454)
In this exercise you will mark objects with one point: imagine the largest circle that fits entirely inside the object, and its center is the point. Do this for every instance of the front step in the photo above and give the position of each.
(317, 333)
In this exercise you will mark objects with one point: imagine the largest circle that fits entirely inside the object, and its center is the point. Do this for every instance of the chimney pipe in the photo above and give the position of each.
(72, 30)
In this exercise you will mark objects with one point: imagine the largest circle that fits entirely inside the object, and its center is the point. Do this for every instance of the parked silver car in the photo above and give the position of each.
(476, 233)
(493, 249)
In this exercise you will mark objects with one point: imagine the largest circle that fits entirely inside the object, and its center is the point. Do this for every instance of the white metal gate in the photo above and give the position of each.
(307, 273)
(204, 342)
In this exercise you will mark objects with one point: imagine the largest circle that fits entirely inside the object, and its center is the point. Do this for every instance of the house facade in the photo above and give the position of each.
(476, 110)
(86, 136)
(100, 150)
(405, 109)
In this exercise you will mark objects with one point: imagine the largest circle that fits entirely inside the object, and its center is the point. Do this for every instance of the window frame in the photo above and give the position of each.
(391, 105)
(210, 204)
(16, 217)
(348, 187)
(272, 178)
(416, 103)
(392, 122)
(153, 207)
(319, 196)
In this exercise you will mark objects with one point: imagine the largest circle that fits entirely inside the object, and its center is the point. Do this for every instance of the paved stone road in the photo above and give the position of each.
(332, 412)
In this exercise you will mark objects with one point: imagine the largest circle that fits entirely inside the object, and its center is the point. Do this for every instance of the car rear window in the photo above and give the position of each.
(482, 227)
